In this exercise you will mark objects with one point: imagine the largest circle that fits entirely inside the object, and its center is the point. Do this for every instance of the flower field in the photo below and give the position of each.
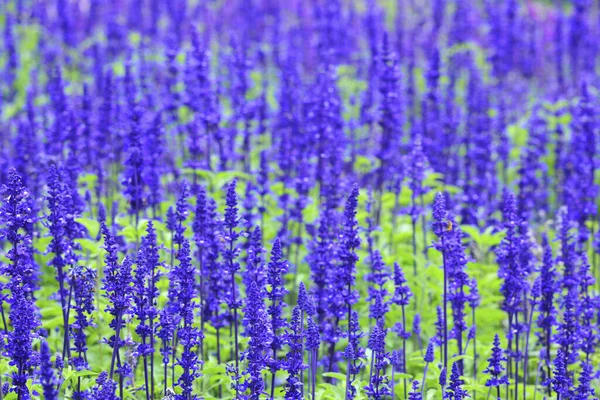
(299, 199)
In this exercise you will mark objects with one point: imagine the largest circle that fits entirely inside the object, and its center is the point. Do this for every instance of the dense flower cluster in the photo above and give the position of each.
(299, 199)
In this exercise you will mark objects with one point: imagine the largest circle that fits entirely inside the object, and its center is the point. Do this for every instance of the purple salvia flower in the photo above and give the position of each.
(154, 145)
(47, 377)
(402, 292)
(118, 290)
(578, 32)
(457, 260)
(255, 265)
(496, 368)
(305, 301)
(511, 271)
(294, 362)
(313, 342)
(348, 257)
(354, 353)
(547, 312)
(104, 389)
(378, 306)
(145, 295)
(568, 254)
(431, 129)
(188, 335)
(322, 256)
(479, 166)
(561, 379)
(258, 330)
(429, 358)
(230, 254)
(390, 113)
(455, 390)
(216, 288)
(133, 175)
(584, 390)
(277, 267)
(83, 282)
(56, 135)
(181, 214)
(416, 329)
(580, 188)
(378, 386)
(588, 303)
(18, 348)
(58, 245)
(533, 172)
(415, 393)
(166, 332)
(16, 214)
(568, 334)
(438, 339)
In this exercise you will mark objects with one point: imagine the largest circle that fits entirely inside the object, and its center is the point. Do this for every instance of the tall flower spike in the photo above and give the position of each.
(378, 386)
(255, 265)
(294, 362)
(313, 342)
(17, 216)
(390, 112)
(188, 335)
(561, 379)
(584, 390)
(455, 390)
(354, 352)
(511, 269)
(415, 393)
(83, 281)
(439, 212)
(230, 255)
(104, 389)
(47, 377)
(154, 148)
(117, 288)
(276, 269)
(145, 294)
(402, 292)
(305, 301)
(429, 356)
(258, 331)
(133, 176)
(569, 331)
(495, 368)
(379, 275)
(181, 214)
(21, 273)
(59, 244)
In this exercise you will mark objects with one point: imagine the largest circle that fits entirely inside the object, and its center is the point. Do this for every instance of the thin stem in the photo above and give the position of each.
(165, 373)
(146, 371)
(517, 359)
(525, 363)
(424, 227)
(445, 307)
(414, 244)
(66, 340)
(404, 349)
(115, 347)
(474, 352)
(424, 379)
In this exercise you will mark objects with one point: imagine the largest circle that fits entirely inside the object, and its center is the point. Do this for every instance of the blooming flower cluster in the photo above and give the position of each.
(299, 199)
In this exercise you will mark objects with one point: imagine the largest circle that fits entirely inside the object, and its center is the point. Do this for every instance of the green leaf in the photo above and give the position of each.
(335, 375)
(92, 226)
